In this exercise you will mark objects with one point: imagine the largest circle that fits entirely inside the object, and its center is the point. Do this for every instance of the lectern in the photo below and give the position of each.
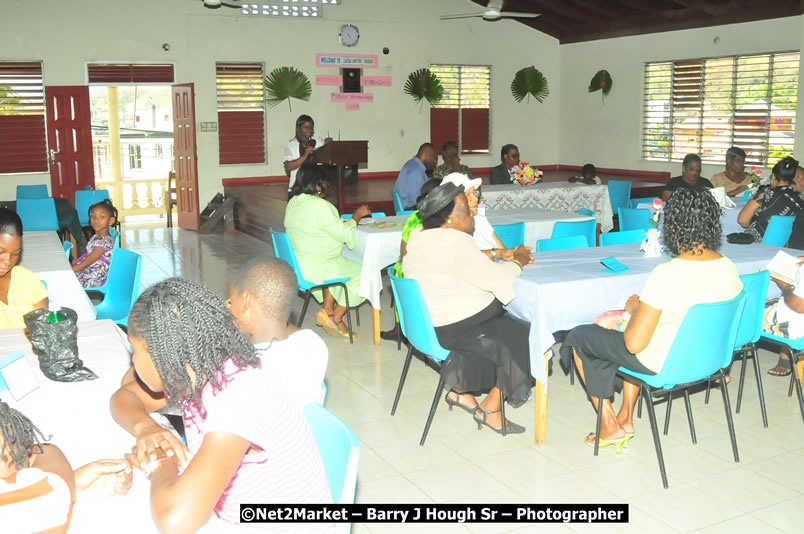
(340, 154)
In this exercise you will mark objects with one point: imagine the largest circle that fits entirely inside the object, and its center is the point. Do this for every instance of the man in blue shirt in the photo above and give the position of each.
(413, 175)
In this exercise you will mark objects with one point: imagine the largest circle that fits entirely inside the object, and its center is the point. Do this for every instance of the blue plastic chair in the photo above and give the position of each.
(32, 191)
(122, 286)
(398, 207)
(696, 356)
(283, 249)
(747, 194)
(340, 454)
(635, 219)
(38, 214)
(586, 211)
(587, 229)
(84, 199)
(322, 396)
(561, 243)
(619, 194)
(779, 230)
(67, 248)
(512, 235)
(406, 213)
(635, 202)
(627, 237)
(376, 215)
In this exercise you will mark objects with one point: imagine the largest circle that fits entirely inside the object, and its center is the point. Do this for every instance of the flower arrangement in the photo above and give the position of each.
(651, 246)
(524, 174)
(756, 177)
(657, 209)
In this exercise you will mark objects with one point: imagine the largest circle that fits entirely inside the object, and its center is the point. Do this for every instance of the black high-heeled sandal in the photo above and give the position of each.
(510, 427)
(457, 403)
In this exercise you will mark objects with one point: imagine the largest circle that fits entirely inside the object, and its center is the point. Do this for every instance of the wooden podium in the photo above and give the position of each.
(341, 153)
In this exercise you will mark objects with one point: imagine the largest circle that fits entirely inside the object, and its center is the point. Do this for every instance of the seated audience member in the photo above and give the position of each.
(92, 267)
(27, 292)
(318, 235)
(413, 175)
(452, 162)
(188, 352)
(797, 237)
(37, 484)
(464, 293)
(697, 274)
(260, 299)
(734, 179)
(588, 176)
(778, 199)
(785, 317)
(690, 177)
(501, 174)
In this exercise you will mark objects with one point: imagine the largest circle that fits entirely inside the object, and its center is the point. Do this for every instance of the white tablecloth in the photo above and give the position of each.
(556, 196)
(43, 254)
(564, 289)
(728, 219)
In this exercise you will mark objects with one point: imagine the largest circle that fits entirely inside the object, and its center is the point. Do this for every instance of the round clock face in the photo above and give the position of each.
(349, 35)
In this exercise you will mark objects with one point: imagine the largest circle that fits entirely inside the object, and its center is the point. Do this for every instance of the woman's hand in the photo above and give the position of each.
(522, 255)
(361, 212)
(737, 191)
(153, 437)
(308, 150)
(103, 478)
(632, 304)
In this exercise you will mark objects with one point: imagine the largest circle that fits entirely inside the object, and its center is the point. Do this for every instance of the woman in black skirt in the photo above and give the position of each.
(697, 274)
(464, 292)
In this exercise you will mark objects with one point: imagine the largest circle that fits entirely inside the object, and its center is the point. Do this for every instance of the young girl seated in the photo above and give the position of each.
(93, 265)
(21, 290)
(247, 440)
(37, 484)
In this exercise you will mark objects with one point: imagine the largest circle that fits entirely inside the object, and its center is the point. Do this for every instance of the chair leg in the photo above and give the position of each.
(502, 412)
(597, 424)
(708, 388)
(760, 389)
(798, 390)
(727, 406)
(402, 379)
(398, 331)
(348, 315)
(655, 431)
(433, 407)
(740, 385)
(667, 414)
(307, 297)
(572, 371)
(639, 402)
(357, 314)
(792, 379)
(689, 416)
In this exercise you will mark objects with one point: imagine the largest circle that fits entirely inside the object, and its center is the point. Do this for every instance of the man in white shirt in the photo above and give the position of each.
(261, 296)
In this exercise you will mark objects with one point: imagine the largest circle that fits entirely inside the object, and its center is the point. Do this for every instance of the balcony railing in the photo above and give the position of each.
(136, 196)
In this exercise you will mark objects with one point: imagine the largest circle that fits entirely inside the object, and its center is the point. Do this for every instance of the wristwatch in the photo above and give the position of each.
(494, 254)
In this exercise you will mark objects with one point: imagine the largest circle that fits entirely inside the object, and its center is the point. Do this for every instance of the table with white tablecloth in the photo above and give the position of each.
(42, 253)
(556, 196)
(728, 217)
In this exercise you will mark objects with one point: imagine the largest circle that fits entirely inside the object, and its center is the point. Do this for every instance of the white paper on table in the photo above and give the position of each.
(18, 375)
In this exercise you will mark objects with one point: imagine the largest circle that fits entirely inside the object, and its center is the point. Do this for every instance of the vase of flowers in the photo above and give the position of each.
(651, 246)
(523, 174)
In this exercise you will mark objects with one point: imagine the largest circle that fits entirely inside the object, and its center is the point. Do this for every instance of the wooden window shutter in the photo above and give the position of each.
(129, 73)
(443, 126)
(23, 146)
(474, 130)
(241, 113)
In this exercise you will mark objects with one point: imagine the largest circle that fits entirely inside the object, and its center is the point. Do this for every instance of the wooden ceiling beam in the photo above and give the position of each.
(561, 8)
(707, 7)
(608, 10)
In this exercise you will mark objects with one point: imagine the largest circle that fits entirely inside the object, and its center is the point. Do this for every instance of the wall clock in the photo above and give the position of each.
(348, 35)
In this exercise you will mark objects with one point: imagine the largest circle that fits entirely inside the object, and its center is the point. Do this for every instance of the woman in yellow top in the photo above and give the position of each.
(21, 290)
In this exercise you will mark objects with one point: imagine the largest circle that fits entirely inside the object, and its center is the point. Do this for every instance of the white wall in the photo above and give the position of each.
(609, 134)
(66, 34)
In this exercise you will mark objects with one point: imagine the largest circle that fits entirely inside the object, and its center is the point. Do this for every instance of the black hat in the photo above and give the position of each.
(438, 199)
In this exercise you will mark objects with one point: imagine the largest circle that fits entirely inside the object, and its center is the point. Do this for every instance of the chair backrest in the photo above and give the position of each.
(68, 246)
(635, 202)
(512, 235)
(339, 450)
(586, 211)
(779, 229)
(116, 235)
(695, 352)
(398, 207)
(414, 317)
(755, 287)
(85, 198)
(322, 396)
(627, 237)
(122, 286)
(38, 214)
(634, 219)
(619, 194)
(378, 214)
(586, 229)
(406, 213)
(747, 194)
(284, 250)
(32, 191)
(561, 243)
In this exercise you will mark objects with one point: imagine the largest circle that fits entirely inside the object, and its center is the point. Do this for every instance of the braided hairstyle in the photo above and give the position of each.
(104, 204)
(20, 436)
(691, 221)
(185, 323)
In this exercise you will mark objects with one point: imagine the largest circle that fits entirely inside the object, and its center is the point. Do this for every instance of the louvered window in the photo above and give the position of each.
(241, 113)
(125, 73)
(705, 106)
(462, 115)
(23, 147)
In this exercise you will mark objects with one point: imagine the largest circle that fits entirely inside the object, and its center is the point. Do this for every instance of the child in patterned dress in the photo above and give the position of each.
(93, 266)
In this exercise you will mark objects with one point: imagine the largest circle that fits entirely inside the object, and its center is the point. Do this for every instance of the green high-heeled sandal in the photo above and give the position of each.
(618, 443)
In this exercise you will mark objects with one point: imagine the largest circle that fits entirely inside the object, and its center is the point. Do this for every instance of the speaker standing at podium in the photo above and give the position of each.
(300, 148)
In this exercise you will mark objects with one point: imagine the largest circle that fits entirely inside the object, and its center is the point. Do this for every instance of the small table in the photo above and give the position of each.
(68, 218)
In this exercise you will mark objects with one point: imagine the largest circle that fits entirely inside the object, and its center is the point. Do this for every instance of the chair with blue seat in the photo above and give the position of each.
(84, 199)
(779, 229)
(68, 246)
(635, 219)
(619, 194)
(587, 212)
(625, 237)
(116, 235)
(747, 194)
(512, 235)
(375, 215)
(340, 454)
(587, 229)
(398, 207)
(796, 348)
(695, 356)
(561, 243)
(284, 250)
(32, 191)
(122, 286)
(635, 202)
(38, 214)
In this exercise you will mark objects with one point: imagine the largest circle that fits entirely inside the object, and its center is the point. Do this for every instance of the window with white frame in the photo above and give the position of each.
(241, 113)
(462, 115)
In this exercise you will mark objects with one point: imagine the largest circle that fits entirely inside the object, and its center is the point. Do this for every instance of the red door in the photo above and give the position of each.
(69, 138)
(185, 156)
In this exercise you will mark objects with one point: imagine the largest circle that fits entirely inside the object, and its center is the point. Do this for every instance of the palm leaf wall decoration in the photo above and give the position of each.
(424, 85)
(285, 83)
(529, 82)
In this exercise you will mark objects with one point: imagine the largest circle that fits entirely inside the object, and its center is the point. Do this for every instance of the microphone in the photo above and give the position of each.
(311, 142)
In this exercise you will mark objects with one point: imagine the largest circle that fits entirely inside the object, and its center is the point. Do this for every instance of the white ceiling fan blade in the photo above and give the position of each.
(495, 4)
(520, 15)
(462, 16)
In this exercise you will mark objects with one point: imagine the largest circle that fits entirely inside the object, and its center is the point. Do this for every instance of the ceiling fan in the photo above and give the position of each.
(493, 12)
(217, 4)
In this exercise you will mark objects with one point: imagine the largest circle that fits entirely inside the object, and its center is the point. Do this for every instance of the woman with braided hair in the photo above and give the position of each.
(247, 441)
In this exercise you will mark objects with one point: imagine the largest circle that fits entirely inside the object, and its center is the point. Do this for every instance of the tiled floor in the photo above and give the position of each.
(709, 493)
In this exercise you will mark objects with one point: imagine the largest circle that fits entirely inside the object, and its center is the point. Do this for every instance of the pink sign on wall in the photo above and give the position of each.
(353, 97)
(375, 81)
(353, 106)
(357, 61)
(328, 79)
